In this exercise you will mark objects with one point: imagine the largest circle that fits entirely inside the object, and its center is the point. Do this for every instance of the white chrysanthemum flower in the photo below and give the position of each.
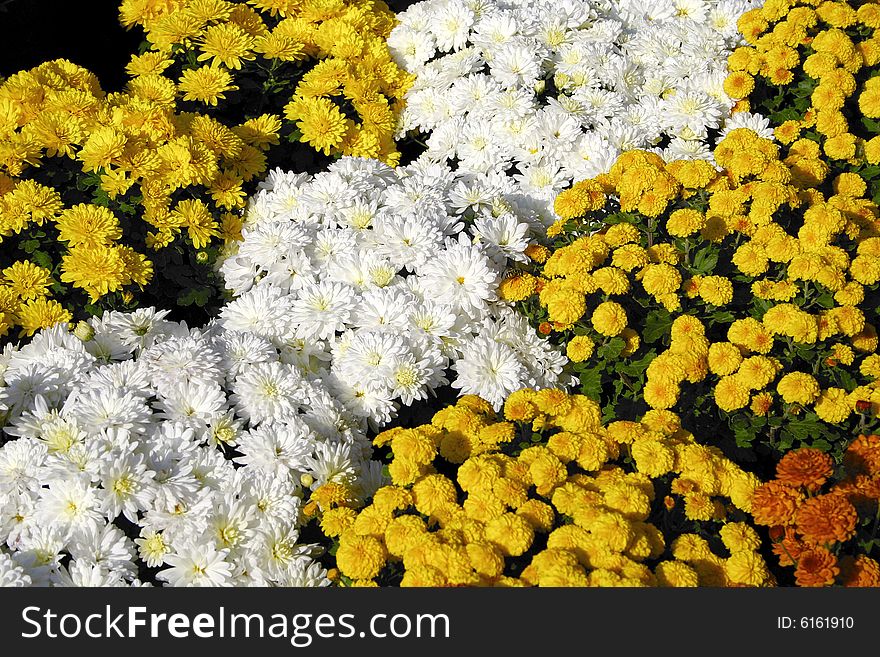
(274, 500)
(129, 375)
(233, 523)
(276, 448)
(332, 245)
(223, 431)
(179, 516)
(267, 391)
(105, 547)
(40, 550)
(79, 460)
(69, 505)
(489, 369)
(410, 378)
(365, 399)
(370, 355)
(12, 575)
(755, 122)
(723, 17)
(152, 548)
(25, 384)
(240, 273)
(192, 403)
(17, 514)
(303, 572)
(687, 149)
(478, 147)
(197, 565)
(104, 409)
(137, 329)
(693, 10)
(411, 48)
(461, 277)
(505, 235)
(321, 310)
(277, 549)
(384, 309)
(406, 241)
(187, 358)
(450, 28)
(331, 463)
(238, 350)
(269, 241)
(84, 574)
(263, 311)
(691, 113)
(20, 462)
(128, 485)
(310, 357)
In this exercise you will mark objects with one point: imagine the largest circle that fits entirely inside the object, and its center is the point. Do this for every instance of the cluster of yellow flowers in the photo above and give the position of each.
(94, 180)
(843, 46)
(24, 299)
(479, 526)
(344, 104)
(836, 249)
(58, 110)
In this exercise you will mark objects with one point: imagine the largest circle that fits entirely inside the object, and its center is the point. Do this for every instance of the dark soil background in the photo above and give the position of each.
(87, 32)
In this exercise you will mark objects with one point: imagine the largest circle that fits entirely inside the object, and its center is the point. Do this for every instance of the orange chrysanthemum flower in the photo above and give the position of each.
(863, 455)
(774, 503)
(861, 571)
(788, 548)
(805, 467)
(816, 568)
(826, 519)
(862, 491)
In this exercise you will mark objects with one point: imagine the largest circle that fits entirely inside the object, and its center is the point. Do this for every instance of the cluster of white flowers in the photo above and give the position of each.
(135, 449)
(553, 91)
(358, 289)
(197, 443)
(382, 281)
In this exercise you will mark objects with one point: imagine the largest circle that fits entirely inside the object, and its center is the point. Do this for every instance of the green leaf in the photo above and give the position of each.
(744, 436)
(591, 383)
(29, 246)
(723, 317)
(42, 259)
(786, 440)
(635, 368)
(788, 114)
(802, 429)
(657, 324)
(826, 300)
(821, 444)
(100, 197)
(774, 421)
(705, 260)
(870, 124)
(761, 306)
(843, 379)
(612, 349)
